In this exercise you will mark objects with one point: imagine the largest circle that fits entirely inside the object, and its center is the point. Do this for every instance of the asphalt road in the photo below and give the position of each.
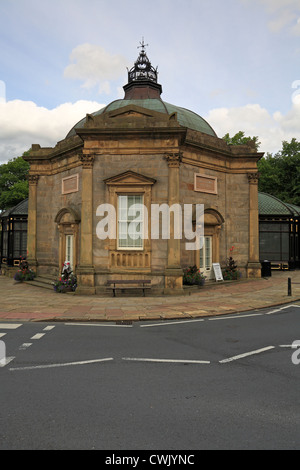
(228, 382)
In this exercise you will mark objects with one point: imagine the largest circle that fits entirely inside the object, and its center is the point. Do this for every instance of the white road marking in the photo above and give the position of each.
(38, 336)
(48, 328)
(98, 324)
(66, 364)
(240, 356)
(171, 323)
(25, 346)
(281, 308)
(225, 317)
(273, 311)
(6, 360)
(10, 326)
(2, 334)
(185, 361)
(294, 346)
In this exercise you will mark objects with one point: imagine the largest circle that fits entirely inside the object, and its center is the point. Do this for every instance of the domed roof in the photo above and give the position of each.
(143, 90)
(186, 118)
(19, 209)
(271, 205)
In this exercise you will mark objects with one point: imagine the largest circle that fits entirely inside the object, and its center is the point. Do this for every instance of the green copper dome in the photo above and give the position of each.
(186, 118)
(271, 205)
(143, 90)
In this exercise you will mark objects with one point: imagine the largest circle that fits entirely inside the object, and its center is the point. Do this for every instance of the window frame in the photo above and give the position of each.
(127, 195)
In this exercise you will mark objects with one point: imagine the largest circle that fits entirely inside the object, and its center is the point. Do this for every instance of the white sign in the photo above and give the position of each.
(218, 272)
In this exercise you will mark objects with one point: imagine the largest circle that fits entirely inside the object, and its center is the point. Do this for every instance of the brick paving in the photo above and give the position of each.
(25, 302)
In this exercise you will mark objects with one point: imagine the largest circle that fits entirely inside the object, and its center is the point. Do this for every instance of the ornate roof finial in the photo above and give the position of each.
(142, 78)
(142, 69)
(142, 45)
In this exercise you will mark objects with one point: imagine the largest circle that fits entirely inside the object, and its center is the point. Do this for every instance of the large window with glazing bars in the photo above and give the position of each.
(130, 222)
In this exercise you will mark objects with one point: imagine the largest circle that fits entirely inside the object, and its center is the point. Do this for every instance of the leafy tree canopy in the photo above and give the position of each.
(13, 182)
(240, 139)
(279, 173)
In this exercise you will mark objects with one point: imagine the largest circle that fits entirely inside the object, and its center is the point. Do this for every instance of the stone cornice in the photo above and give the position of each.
(127, 132)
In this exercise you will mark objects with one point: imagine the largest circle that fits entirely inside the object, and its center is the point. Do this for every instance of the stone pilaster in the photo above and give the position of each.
(173, 271)
(85, 270)
(253, 266)
(32, 221)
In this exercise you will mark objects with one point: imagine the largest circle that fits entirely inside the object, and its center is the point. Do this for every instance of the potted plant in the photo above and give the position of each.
(192, 276)
(67, 281)
(230, 272)
(24, 273)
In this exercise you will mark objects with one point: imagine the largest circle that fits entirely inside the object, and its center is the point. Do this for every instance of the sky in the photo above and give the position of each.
(236, 63)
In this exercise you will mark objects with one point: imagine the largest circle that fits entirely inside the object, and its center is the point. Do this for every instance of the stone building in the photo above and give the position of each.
(140, 150)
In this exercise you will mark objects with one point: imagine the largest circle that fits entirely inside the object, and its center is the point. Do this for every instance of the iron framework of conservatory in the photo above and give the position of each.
(13, 236)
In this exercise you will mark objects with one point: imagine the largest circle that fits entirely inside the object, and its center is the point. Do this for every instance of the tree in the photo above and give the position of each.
(240, 139)
(13, 182)
(280, 173)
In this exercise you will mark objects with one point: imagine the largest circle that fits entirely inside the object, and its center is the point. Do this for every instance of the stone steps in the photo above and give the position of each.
(42, 281)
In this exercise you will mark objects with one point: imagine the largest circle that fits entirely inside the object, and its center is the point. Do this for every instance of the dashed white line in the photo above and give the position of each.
(6, 360)
(185, 361)
(10, 326)
(281, 308)
(25, 346)
(171, 323)
(48, 328)
(2, 334)
(66, 364)
(98, 324)
(38, 336)
(225, 317)
(240, 356)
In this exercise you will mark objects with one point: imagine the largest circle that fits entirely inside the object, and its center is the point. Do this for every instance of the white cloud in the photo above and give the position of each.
(283, 14)
(254, 120)
(23, 123)
(93, 65)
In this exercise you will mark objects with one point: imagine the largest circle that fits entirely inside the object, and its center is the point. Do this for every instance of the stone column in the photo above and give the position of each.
(254, 266)
(173, 271)
(32, 221)
(85, 270)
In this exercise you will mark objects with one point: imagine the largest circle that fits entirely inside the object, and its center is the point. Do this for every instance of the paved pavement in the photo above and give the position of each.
(25, 302)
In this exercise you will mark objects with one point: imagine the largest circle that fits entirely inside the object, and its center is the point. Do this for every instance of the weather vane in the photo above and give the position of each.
(142, 45)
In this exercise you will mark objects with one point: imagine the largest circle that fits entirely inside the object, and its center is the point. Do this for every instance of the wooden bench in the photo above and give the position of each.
(132, 284)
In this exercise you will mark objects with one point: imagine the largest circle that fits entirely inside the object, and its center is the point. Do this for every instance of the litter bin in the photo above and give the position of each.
(266, 269)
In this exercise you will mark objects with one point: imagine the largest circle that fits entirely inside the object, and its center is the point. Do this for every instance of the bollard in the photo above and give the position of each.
(289, 286)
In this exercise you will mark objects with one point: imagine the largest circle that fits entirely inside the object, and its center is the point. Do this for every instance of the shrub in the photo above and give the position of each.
(24, 273)
(67, 282)
(230, 272)
(192, 276)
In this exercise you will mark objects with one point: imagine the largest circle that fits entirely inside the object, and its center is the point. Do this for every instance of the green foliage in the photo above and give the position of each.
(192, 276)
(67, 281)
(231, 272)
(13, 183)
(65, 284)
(280, 173)
(240, 139)
(25, 273)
